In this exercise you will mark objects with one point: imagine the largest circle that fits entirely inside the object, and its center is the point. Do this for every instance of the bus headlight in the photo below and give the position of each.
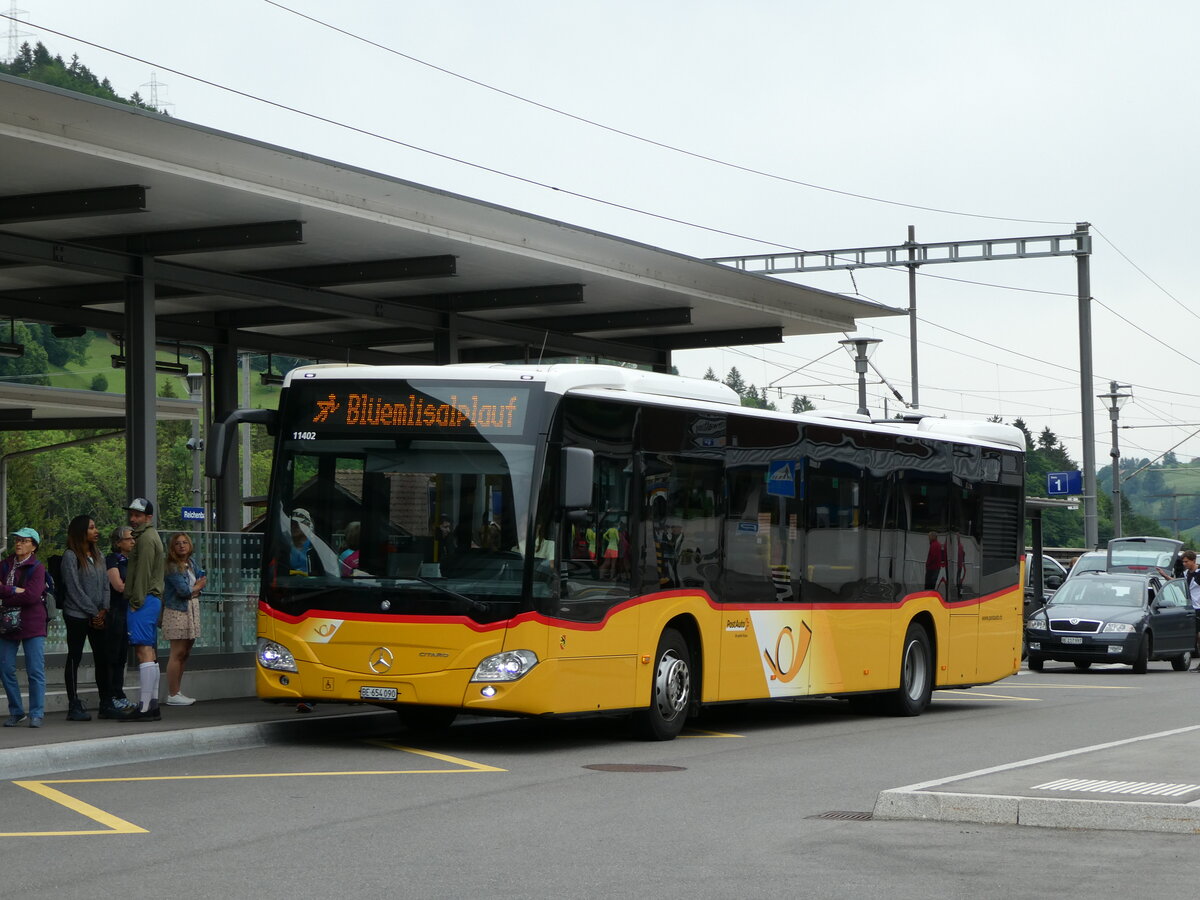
(275, 656)
(507, 666)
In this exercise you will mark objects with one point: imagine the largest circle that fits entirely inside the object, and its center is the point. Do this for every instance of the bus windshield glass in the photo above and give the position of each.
(401, 498)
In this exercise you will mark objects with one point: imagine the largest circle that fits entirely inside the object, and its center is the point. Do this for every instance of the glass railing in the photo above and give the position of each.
(229, 604)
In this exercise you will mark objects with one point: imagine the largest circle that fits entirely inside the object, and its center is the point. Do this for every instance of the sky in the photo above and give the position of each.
(964, 120)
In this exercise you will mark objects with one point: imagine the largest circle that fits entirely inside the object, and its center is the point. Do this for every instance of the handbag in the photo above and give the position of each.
(10, 619)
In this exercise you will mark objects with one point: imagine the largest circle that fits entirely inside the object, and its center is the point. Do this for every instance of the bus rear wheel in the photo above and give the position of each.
(670, 691)
(916, 675)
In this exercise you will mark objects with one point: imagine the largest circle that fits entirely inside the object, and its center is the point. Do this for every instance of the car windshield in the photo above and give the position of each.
(1097, 591)
(1090, 562)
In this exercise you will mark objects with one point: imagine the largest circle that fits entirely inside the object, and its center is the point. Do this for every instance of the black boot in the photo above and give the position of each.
(78, 712)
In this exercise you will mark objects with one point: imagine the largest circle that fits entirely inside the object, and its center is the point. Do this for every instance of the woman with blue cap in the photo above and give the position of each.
(23, 584)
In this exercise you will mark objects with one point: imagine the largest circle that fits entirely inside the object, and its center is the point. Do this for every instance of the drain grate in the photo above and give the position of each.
(843, 815)
(633, 767)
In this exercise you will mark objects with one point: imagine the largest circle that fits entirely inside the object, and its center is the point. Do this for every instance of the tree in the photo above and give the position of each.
(710, 375)
(801, 404)
(734, 380)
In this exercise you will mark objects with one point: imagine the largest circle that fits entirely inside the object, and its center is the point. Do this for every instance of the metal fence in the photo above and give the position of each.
(229, 604)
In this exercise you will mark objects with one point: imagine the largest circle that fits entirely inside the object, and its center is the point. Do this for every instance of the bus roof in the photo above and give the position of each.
(563, 378)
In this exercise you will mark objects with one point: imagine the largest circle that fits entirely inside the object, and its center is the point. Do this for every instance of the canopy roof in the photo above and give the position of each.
(269, 249)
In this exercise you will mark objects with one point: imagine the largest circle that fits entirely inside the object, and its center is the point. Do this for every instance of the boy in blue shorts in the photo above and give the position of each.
(143, 591)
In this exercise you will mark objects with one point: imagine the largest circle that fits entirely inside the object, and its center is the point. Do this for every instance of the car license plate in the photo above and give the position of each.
(370, 692)
(1072, 640)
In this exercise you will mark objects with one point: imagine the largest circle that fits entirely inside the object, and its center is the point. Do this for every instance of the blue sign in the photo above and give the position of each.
(193, 513)
(781, 478)
(1064, 484)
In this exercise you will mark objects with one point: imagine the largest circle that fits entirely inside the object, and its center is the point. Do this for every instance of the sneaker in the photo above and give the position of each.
(123, 703)
(139, 715)
(117, 712)
(35, 722)
(180, 700)
(14, 721)
(305, 706)
(78, 712)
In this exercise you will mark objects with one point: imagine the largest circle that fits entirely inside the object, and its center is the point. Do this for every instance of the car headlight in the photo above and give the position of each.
(1037, 622)
(275, 656)
(507, 666)
(1118, 628)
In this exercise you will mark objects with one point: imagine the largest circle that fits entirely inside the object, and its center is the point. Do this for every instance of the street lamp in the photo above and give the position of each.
(1115, 399)
(860, 350)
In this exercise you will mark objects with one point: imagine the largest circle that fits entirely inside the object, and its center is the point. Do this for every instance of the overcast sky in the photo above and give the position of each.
(965, 120)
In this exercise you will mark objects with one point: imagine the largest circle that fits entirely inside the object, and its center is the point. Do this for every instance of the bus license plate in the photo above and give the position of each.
(1066, 640)
(376, 693)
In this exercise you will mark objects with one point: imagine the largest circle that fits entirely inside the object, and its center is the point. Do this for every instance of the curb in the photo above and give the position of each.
(1040, 812)
(70, 756)
(933, 801)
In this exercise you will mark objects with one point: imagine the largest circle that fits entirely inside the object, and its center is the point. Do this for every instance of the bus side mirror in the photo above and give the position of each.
(577, 465)
(221, 435)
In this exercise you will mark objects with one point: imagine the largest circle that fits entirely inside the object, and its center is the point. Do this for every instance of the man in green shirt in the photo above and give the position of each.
(143, 591)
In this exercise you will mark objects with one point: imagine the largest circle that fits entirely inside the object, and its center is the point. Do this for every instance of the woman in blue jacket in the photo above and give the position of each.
(182, 584)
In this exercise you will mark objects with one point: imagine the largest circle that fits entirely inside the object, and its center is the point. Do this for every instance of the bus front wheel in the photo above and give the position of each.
(916, 675)
(670, 691)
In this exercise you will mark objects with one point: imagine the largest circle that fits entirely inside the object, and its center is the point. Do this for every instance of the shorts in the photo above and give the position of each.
(182, 624)
(142, 624)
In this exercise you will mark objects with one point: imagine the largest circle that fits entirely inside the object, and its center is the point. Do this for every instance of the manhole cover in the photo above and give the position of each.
(843, 815)
(633, 767)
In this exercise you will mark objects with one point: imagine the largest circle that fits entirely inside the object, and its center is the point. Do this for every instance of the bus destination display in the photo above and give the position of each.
(431, 409)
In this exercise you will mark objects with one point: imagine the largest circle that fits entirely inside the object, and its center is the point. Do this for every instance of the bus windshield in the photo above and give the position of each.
(409, 500)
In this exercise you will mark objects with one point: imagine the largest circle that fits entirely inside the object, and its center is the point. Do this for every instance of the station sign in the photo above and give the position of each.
(1064, 484)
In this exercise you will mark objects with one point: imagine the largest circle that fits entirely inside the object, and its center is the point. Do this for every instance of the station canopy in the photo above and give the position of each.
(261, 248)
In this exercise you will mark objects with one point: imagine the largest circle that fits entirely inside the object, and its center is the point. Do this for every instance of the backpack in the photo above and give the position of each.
(53, 574)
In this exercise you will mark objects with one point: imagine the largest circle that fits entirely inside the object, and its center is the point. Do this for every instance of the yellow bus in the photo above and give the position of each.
(576, 539)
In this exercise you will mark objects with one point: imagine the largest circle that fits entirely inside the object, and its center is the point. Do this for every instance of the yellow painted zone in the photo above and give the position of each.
(701, 733)
(116, 825)
(976, 695)
(1079, 687)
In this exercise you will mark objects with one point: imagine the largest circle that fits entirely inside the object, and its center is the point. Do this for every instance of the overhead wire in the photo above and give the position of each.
(637, 137)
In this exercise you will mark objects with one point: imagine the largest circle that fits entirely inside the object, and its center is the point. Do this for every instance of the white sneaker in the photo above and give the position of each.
(179, 700)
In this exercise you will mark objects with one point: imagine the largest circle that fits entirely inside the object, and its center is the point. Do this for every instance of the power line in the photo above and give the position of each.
(637, 137)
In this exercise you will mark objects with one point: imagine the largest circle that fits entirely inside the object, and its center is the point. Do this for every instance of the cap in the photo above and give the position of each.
(29, 533)
(142, 505)
(302, 517)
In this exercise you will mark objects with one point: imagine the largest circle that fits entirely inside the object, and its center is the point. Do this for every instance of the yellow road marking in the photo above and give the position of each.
(1078, 687)
(971, 695)
(115, 825)
(702, 733)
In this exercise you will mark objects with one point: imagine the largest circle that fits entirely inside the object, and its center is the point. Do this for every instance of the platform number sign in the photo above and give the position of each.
(1064, 484)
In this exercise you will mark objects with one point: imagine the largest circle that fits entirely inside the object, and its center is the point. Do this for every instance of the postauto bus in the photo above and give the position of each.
(570, 539)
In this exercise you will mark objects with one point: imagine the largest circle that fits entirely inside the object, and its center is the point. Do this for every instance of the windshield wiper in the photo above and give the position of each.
(472, 604)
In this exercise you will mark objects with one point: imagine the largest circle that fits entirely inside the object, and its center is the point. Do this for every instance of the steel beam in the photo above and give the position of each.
(908, 254)
(505, 298)
(75, 204)
(212, 239)
(613, 321)
(695, 340)
(365, 272)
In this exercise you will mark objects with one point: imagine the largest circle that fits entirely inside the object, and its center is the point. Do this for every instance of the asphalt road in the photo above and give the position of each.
(515, 808)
